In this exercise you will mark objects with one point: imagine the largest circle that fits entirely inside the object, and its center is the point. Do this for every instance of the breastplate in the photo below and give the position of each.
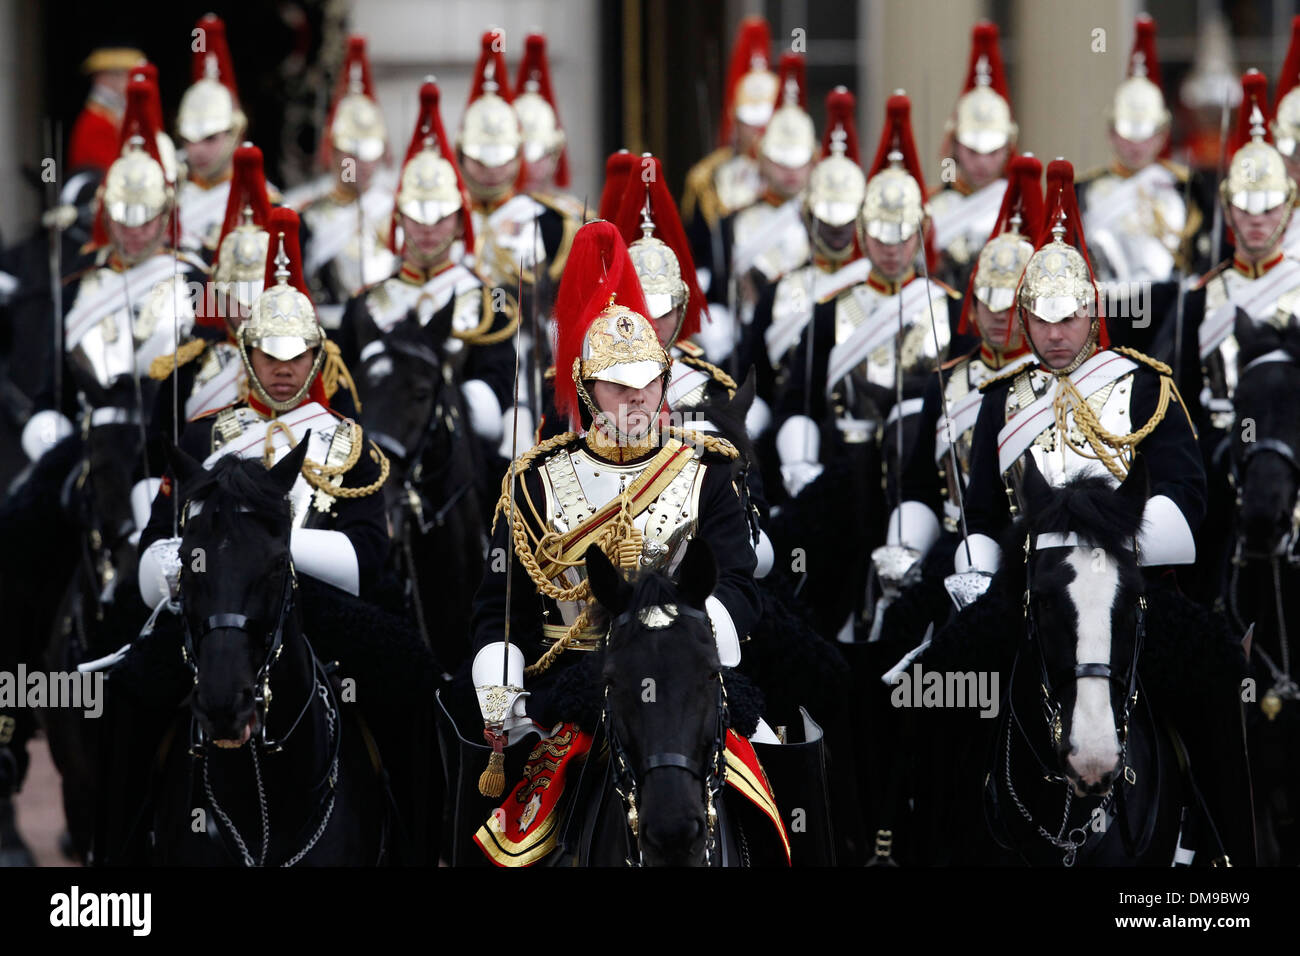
(578, 484)
(1150, 231)
(737, 183)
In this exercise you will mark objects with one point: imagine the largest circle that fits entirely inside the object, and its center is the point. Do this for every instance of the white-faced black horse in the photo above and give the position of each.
(1088, 761)
(413, 408)
(1261, 569)
(282, 772)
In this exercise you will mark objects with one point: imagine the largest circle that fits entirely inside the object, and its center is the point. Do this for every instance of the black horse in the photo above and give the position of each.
(1088, 762)
(277, 785)
(413, 408)
(1261, 569)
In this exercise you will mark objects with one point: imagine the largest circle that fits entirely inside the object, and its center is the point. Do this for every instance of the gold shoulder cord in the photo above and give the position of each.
(164, 365)
(1113, 451)
(480, 335)
(719, 376)
(334, 373)
(621, 542)
(318, 475)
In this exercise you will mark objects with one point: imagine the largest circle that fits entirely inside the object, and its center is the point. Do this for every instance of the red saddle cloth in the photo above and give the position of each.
(525, 828)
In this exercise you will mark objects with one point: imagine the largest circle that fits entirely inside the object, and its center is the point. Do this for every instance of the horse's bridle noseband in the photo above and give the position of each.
(274, 646)
(1290, 543)
(628, 779)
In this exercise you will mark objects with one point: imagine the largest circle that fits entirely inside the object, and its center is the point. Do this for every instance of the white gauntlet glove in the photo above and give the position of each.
(484, 409)
(159, 572)
(502, 706)
(798, 443)
(43, 431)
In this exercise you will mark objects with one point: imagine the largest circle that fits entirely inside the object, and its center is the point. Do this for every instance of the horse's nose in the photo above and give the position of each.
(674, 834)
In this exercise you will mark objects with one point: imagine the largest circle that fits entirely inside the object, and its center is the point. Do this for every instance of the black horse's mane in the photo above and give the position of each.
(1089, 507)
(238, 482)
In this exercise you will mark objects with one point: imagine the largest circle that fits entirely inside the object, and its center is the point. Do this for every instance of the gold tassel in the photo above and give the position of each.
(492, 782)
(334, 373)
(163, 365)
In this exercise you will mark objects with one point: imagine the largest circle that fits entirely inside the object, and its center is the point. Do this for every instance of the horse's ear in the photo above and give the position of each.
(286, 471)
(1291, 336)
(1136, 486)
(1037, 492)
(744, 397)
(697, 574)
(438, 329)
(1248, 335)
(607, 584)
(182, 465)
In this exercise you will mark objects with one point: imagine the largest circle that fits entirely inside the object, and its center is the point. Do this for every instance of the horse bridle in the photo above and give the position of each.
(262, 681)
(1290, 544)
(627, 779)
(411, 496)
(1049, 684)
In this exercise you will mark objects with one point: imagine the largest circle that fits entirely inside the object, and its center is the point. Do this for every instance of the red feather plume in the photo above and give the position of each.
(535, 66)
(753, 42)
(428, 125)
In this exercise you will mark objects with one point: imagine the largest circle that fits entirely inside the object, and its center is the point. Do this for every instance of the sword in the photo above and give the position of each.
(176, 368)
(952, 439)
(1216, 231)
(1182, 277)
(56, 270)
(491, 783)
(361, 247)
(534, 353)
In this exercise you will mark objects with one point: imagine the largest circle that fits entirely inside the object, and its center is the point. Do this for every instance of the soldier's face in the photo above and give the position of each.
(633, 409)
(1059, 342)
(785, 181)
(282, 379)
(747, 136)
(1254, 231)
(1138, 153)
(980, 169)
(542, 172)
(838, 238)
(996, 326)
(355, 174)
(208, 156)
(429, 241)
(488, 178)
(666, 325)
(135, 242)
(891, 259)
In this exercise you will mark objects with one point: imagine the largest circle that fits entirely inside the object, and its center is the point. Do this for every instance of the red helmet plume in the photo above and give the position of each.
(137, 121)
(984, 45)
(428, 127)
(355, 60)
(535, 67)
(215, 48)
(618, 167)
(841, 113)
(247, 188)
(1023, 198)
(285, 220)
(491, 66)
(598, 267)
(1254, 93)
(753, 46)
(794, 70)
(1290, 75)
(1142, 60)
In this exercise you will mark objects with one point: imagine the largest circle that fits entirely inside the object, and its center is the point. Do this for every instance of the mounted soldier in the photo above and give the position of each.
(431, 233)
(210, 124)
(93, 143)
(728, 179)
(620, 480)
(765, 240)
(928, 522)
(832, 204)
(979, 141)
(1143, 223)
(546, 152)
(346, 239)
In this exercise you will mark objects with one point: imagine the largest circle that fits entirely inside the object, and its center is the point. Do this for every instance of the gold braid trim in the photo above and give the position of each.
(334, 373)
(621, 541)
(477, 337)
(1003, 376)
(164, 365)
(1113, 451)
(318, 475)
(719, 376)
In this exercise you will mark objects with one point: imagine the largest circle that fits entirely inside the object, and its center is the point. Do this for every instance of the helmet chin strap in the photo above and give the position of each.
(605, 425)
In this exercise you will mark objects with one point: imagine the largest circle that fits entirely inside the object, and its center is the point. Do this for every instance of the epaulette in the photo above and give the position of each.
(954, 362)
(1007, 375)
(699, 191)
(164, 365)
(1137, 356)
(952, 293)
(549, 374)
(719, 376)
(1204, 280)
(689, 348)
